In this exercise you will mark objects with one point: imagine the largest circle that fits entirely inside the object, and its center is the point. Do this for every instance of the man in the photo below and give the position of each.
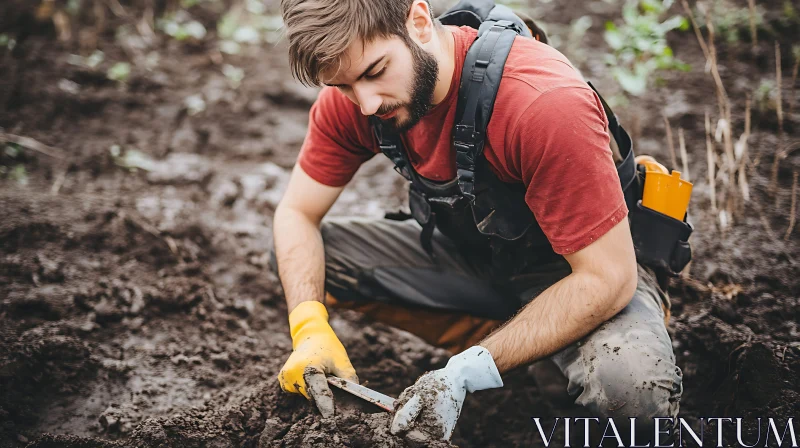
(588, 308)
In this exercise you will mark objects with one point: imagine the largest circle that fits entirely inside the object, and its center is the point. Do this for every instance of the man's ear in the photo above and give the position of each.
(420, 24)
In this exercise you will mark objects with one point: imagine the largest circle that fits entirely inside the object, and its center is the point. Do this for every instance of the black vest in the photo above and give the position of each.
(488, 217)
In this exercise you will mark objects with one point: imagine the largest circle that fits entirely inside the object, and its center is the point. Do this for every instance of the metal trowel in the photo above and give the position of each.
(384, 402)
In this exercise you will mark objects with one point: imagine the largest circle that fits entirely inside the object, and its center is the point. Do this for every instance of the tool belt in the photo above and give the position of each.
(489, 217)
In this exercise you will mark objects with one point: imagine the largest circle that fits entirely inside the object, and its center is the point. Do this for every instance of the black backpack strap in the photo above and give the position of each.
(391, 146)
(629, 178)
(480, 80)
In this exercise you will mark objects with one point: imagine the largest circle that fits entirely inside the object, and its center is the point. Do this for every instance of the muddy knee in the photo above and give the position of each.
(640, 385)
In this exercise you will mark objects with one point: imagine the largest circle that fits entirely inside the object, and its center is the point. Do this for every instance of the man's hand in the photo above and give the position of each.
(317, 352)
(432, 405)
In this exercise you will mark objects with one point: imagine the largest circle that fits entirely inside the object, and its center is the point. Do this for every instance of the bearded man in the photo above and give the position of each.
(566, 289)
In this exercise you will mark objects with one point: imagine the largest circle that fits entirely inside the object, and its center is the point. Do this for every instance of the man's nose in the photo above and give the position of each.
(368, 100)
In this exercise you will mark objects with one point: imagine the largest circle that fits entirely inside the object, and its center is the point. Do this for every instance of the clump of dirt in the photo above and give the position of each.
(40, 362)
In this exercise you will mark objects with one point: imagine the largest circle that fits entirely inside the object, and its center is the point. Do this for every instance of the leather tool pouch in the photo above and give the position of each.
(661, 242)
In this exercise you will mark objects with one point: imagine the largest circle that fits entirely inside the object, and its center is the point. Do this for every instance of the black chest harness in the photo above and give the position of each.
(489, 217)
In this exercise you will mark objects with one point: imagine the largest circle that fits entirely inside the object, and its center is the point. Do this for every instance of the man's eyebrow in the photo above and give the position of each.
(364, 73)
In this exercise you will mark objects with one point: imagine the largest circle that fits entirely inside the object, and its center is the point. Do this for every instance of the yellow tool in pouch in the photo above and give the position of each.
(664, 192)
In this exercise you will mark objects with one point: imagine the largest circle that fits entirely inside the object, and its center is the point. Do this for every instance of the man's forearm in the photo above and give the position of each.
(562, 314)
(301, 257)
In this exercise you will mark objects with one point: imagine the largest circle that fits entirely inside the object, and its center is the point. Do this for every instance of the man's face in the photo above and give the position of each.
(392, 78)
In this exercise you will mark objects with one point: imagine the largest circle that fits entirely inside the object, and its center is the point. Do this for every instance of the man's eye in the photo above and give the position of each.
(377, 75)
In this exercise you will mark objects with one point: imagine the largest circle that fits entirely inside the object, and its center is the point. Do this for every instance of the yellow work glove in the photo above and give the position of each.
(315, 346)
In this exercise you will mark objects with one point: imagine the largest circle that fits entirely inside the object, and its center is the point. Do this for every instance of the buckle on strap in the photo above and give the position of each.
(505, 25)
(393, 152)
(466, 181)
(465, 143)
(464, 133)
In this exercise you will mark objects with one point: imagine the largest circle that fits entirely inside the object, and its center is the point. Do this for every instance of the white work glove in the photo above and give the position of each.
(432, 405)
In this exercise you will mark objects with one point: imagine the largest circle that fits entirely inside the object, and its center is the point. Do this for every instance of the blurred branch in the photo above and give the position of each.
(117, 8)
(751, 4)
(710, 159)
(793, 210)
(742, 151)
(696, 28)
(670, 142)
(32, 144)
(684, 154)
(779, 84)
(795, 69)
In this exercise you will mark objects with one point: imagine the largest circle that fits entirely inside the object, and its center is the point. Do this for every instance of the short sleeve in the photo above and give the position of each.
(561, 148)
(338, 141)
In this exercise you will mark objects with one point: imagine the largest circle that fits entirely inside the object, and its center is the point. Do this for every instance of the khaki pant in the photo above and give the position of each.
(625, 368)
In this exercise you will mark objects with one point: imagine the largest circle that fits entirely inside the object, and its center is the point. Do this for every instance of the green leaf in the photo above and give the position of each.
(195, 29)
(73, 7)
(651, 6)
(95, 59)
(235, 75)
(672, 23)
(635, 84)
(12, 150)
(119, 72)
(227, 25)
(19, 174)
(229, 47)
(613, 39)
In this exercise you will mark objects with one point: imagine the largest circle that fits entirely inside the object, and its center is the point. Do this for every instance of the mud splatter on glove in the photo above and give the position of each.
(433, 404)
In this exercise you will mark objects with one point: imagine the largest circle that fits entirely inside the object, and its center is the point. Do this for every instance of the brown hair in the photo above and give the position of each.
(320, 31)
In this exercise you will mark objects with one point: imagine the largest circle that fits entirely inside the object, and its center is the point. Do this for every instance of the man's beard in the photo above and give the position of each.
(426, 73)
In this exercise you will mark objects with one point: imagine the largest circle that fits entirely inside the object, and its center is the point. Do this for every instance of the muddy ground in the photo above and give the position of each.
(137, 307)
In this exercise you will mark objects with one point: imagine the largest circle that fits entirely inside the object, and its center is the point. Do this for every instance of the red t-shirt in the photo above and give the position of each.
(548, 131)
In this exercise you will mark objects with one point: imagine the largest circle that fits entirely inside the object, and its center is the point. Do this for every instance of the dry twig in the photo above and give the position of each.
(722, 94)
(146, 24)
(117, 8)
(778, 82)
(764, 221)
(59, 182)
(794, 82)
(670, 142)
(697, 32)
(779, 155)
(32, 144)
(753, 34)
(724, 106)
(710, 159)
(793, 209)
(743, 153)
(684, 155)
